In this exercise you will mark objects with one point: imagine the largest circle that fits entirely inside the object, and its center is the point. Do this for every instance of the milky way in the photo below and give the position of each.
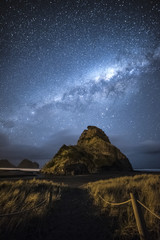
(65, 65)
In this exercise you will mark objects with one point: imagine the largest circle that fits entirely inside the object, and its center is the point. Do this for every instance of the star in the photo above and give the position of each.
(78, 63)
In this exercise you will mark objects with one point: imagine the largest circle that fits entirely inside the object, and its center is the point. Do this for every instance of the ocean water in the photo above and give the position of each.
(147, 169)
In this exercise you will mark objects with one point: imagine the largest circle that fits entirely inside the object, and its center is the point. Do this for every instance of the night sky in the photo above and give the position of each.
(67, 64)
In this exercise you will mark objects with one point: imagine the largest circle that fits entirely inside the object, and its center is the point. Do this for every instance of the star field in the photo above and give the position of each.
(65, 65)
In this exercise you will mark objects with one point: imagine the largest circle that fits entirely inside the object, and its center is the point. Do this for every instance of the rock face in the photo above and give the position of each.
(28, 164)
(105, 155)
(93, 153)
(70, 160)
(4, 163)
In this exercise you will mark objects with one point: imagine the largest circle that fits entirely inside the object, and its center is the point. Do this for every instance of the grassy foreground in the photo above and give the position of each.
(117, 190)
(78, 213)
(23, 196)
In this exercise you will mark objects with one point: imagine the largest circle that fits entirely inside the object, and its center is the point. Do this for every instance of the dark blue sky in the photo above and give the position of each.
(65, 65)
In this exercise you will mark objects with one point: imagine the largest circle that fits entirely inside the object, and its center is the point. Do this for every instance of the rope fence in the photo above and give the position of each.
(135, 205)
(154, 214)
(129, 200)
(137, 213)
(17, 213)
(115, 204)
(41, 204)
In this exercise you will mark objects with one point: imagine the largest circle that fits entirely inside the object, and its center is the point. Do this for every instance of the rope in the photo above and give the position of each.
(122, 203)
(115, 204)
(17, 213)
(148, 209)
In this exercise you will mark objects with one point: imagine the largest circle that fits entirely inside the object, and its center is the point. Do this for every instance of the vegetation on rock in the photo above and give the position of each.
(105, 155)
(70, 156)
(93, 152)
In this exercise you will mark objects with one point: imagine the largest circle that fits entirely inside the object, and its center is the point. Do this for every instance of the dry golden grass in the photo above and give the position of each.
(117, 190)
(21, 195)
(16, 196)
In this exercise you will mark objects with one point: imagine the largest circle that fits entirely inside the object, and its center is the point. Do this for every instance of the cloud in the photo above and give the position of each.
(146, 147)
(55, 141)
(123, 143)
(4, 140)
(141, 155)
(149, 147)
(145, 154)
(16, 152)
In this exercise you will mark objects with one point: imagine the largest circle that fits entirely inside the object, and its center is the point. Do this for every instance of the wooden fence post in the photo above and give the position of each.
(139, 218)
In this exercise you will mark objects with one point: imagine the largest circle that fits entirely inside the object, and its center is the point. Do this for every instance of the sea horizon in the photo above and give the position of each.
(147, 169)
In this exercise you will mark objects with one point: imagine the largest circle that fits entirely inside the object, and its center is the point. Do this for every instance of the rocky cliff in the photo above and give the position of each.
(93, 153)
(28, 164)
(4, 163)
(105, 155)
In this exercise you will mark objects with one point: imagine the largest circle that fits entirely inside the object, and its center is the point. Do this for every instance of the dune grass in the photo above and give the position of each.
(21, 195)
(117, 190)
(24, 195)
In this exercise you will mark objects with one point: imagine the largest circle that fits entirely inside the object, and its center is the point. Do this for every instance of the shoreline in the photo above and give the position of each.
(71, 181)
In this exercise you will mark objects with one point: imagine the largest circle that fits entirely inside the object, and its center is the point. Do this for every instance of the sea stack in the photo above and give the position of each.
(93, 153)
(25, 163)
(4, 163)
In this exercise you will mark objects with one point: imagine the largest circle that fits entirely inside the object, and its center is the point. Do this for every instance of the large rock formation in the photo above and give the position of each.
(4, 163)
(105, 155)
(28, 164)
(93, 153)
(70, 160)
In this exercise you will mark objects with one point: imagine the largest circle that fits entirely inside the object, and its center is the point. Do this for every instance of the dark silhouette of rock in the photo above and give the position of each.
(28, 164)
(76, 169)
(4, 163)
(93, 153)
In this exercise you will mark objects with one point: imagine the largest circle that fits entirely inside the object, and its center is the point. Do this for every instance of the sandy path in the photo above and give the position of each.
(74, 216)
